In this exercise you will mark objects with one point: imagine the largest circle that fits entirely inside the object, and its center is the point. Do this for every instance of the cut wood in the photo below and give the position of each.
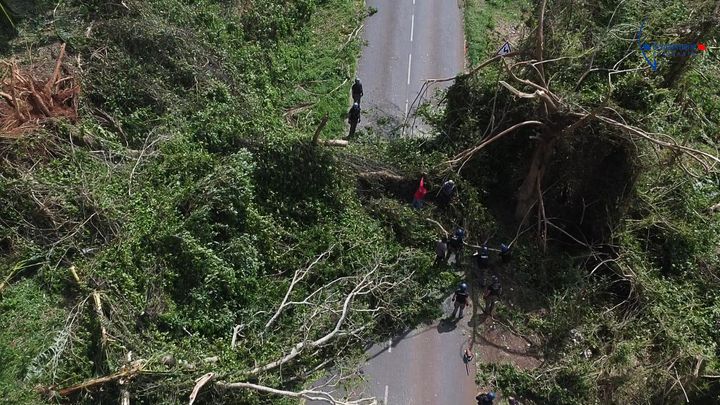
(335, 142)
(199, 384)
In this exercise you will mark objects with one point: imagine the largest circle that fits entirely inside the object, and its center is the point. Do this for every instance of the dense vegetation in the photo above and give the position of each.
(186, 198)
(625, 296)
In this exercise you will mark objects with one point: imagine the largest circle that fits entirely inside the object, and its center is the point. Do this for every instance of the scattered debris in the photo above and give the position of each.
(26, 101)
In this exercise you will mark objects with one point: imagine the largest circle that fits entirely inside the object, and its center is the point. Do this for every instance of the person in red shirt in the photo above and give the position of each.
(419, 197)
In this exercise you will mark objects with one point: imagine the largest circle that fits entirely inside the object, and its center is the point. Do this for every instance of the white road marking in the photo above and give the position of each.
(390, 341)
(412, 27)
(386, 395)
(409, 65)
(406, 106)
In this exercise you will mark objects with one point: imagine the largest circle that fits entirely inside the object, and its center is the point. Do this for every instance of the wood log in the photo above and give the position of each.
(340, 143)
(320, 127)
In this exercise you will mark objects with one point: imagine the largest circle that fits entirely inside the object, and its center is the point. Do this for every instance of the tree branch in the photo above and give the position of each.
(309, 395)
(360, 289)
(466, 155)
(299, 275)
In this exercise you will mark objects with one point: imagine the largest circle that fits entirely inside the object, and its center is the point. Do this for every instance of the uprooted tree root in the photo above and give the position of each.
(27, 101)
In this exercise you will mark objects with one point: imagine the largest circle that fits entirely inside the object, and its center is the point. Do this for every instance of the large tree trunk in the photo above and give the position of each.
(527, 193)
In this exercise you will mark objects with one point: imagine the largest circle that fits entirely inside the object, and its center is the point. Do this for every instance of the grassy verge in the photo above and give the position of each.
(489, 23)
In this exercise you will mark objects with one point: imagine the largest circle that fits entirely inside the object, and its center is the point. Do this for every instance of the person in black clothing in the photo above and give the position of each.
(493, 292)
(441, 249)
(505, 253)
(455, 244)
(446, 194)
(357, 91)
(353, 117)
(483, 257)
(485, 399)
(461, 299)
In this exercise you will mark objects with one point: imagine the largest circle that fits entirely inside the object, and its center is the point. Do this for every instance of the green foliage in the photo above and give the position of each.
(29, 318)
(628, 319)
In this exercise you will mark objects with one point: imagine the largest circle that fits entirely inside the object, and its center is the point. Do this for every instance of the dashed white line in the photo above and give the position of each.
(386, 396)
(406, 106)
(390, 341)
(409, 65)
(412, 27)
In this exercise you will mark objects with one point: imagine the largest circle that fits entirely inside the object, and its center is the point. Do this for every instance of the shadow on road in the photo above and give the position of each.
(447, 325)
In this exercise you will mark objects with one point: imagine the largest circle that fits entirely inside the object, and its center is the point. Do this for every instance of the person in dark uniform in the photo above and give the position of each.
(461, 299)
(353, 117)
(493, 292)
(357, 91)
(485, 399)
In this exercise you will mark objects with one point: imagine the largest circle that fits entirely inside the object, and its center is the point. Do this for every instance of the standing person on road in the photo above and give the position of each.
(441, 249)
(461, 299)
(353, 117)
(357, 91)
(493, 292)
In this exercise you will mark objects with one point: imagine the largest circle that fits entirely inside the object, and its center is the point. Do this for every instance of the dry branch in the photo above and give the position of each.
(541, 43)
(199, 383)
(363, 287)
(126, 373)
(26, 101)
(320, 127)
(339, 143)
(299, 275)
(706, 160)
(464, 156)
(124, 392)
(308, 395)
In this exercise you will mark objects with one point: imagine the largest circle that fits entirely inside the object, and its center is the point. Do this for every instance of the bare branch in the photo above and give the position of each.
(309, 395)
(364, 286)
(199, 384)
(299, 275)
(705, 159)
(541, 94)
(541, 43)
(466, 155)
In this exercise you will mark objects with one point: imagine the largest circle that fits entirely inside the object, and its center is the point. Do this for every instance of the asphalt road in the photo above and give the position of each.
(424, 367)
(408, 41)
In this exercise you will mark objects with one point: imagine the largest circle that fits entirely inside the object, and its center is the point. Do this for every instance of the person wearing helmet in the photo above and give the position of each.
(456, 243)
(357, 91)
(461, 299)
(485, 399)
(447, 192)
(353, 117)
(493, 292)
(483, 256)
(505, 253)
